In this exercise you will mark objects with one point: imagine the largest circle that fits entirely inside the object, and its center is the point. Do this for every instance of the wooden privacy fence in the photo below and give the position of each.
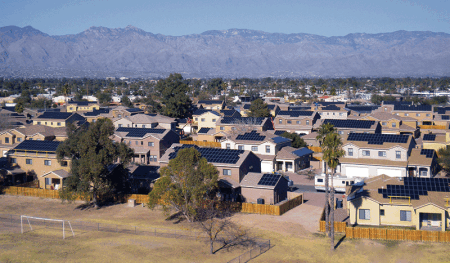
(338, 226)
(397, 234)
(202, 144)
(276, 210)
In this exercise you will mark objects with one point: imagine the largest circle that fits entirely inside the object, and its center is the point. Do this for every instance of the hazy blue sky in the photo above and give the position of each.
(177, 17)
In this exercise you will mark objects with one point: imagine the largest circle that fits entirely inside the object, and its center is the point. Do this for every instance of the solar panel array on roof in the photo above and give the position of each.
(212, 155)
(39, 146)
(357, 124)
(362, 109)
(412, 107)
(201, 111)
(296, 113)
(326, 103)
(269, 179)
(54, 115)
(229, 113)
(204, 130)
(96, 112)
(445, 117)
(331, 107)
(299, 108)
(82, 103)
(133, 110)
(251, 136)
(139, 132)
(427, 152)
(414, 187)
(394, 102)
(209, 101)
(280, 139)
(441, 110)
(429, 137)
(377, 138)
(242, 120)
(279, 132)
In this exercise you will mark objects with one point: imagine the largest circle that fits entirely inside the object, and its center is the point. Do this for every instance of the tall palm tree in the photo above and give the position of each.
(332, 151)
(321, 134)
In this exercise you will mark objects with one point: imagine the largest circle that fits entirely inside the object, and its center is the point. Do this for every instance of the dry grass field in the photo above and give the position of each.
(291, 243)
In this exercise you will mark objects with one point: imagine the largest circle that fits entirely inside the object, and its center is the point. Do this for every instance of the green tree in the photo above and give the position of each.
(444, 159)
(19, 107)
(258, 108)
(91, 152)
(127, 102)
(332, 151)
(173, 92)
(297, 141)
(184, 184)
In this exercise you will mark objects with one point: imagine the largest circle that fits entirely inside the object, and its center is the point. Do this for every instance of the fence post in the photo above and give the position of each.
(98, 226)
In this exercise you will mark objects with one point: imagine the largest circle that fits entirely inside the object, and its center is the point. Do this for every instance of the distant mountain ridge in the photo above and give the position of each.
(132, 52)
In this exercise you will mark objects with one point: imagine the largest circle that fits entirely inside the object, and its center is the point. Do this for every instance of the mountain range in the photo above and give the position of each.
(132, 52)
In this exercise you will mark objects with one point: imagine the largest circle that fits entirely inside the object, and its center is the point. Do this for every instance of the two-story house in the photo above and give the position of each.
(235, 125)
(148, 144)
(333, 112)
(393, 124)
(58, 119)
(211, 104)
(371, 154)
(345, 127)
(93, 116)
(422, 113)
(82, 106)
(296, 121)
(122, 111)
(205, 119)
(146, 121)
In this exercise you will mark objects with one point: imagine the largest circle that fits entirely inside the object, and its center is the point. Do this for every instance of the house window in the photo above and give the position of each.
(39, 123)
(228, 146)
(307, 122)
(226, 171)
(240, 147)
(384, 123)
(394, 125)
(350, 152)
(289, 122)
(59, 123)
(120, 125)
(405, 215)
(381, 153)
(222, 128)
(233, 128)
(48, 181)
(143, 126)
(267, 148)
(364, 214)
(29, 161)
(381, 212)
(299, 122)
(418, 114)
(203, 119)
(320, 180)
(47, 162)
(428, 115)
(398, 154)
(120, 115)
(151, 144)
(340, 132)
(280, 121)
(423, 172)
(196, 119)
(142, 143)
(19, 139)
(385, 109)
(6, 139)
(366, 153)
(136, 142)
(135, 126)
(13, 160)
(153, 158)
(406, 114)
(254, 148)
(214, 120)
(64, 163)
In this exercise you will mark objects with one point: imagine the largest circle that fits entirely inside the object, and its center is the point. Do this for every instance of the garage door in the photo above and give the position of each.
(266, 167)
(352, 171)
(390, 172)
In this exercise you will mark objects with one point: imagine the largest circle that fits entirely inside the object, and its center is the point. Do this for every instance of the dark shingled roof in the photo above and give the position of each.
(39, 146)
(357, 124)
(295, 113)
(413, 107)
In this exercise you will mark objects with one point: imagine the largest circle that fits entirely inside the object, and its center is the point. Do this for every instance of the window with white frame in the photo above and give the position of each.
(228, 146)
(254, 148)
(47, 162)
(289, 122)
(153, 158)
(350, 151)
(307, 122)
(405, 215)
(120, 125)
(222, 128)
(340, 132)
(240, 147)
(381, 153)
(13, 160)
(280, 121)
(418, 114)
(364, 214)
(267, 148)
(203, 119)
(398, 154)
(6, 139)
(366, 153)
(394, 125)
(226, 171)
(299, 122)
(19, 139)
(214, 120)
(48, 181)
(384, 123)
(29, 161)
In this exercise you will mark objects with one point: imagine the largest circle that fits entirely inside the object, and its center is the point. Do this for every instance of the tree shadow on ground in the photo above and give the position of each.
(339, 242)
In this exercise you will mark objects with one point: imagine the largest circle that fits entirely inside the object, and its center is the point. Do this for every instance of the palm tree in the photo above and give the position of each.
(332, 151)
(321, 135)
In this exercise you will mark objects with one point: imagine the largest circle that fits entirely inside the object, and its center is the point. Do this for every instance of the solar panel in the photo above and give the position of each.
(295, 113)
(212, 155)
(362, 109)
(377, 138)
(204, 130)
(251, 136)
(269, 179)
(429, 137)
(242, 120)
(412, 107)
(445, 117)
(279, 132)
(357, 124)
(54, 115)
(415, 187)
(427, 152)
(139, 132)
(39, 146)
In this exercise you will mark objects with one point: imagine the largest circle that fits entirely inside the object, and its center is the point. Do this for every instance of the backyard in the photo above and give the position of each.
(291, 241)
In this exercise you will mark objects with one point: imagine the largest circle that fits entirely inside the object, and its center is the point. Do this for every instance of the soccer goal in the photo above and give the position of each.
(46, 222)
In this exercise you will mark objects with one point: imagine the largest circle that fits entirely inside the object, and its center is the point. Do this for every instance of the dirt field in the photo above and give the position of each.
(291, 241)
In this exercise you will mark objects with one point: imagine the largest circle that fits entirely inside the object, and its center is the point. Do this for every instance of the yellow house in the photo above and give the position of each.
(393, 124)
(435, 141)
(211, 104)
(75, 106)
(205, 118)
(58, 119)
(53, 180)
(419, 203)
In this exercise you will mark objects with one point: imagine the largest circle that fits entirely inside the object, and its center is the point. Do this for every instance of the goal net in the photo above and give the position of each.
(28, 222)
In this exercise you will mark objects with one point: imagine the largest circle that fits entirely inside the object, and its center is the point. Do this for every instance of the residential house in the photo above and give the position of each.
(58, 119)
(93, 116)
(148, 144)
(394, 124)
(345, 127)
(370, 154)
(361, 110)
(211, 104)
(235, 125)
(264, 188)
(296, 121)
(420, 203)
(230, 113)
(122, 111)
(435, 141)
(82, 106)
(422, 113)
(333, 112)
(146, 121)
(205, 119)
